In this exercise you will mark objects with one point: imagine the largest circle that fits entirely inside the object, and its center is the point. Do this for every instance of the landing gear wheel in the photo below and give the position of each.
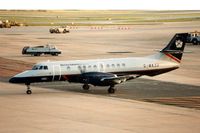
(28, 92)
(86, 87)
(28, 89)
(111, 90)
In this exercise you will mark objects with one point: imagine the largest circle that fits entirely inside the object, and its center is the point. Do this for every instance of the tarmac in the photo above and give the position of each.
(165, 103)
(50, 111)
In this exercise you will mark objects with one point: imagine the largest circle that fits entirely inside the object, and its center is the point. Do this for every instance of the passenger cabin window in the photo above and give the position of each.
(95, 66)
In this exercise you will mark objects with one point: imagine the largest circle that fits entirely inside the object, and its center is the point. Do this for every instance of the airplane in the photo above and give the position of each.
(106, 72)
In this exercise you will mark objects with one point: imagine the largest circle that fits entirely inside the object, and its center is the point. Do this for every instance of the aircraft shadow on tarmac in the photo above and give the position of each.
(140, 89)
(136, 89)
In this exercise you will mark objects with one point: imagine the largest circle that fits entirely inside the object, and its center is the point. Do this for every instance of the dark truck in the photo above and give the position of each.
(194, 38)
(38, 50)
(5, 24)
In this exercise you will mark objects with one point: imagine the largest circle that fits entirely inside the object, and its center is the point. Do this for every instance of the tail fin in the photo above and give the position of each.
(176, 47)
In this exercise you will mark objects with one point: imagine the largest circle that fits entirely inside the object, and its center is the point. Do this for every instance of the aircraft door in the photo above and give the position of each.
(56, 73)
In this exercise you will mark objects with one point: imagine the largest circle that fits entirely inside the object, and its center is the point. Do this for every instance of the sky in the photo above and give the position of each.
(102, 4)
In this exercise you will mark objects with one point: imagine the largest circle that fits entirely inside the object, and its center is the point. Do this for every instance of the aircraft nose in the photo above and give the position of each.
(20, 78)
(17, 80)
(13, 80)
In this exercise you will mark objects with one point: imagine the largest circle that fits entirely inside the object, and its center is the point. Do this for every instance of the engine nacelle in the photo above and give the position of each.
(95, 78)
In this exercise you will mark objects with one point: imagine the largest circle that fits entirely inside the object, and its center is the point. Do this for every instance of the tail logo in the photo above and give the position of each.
(179, 44)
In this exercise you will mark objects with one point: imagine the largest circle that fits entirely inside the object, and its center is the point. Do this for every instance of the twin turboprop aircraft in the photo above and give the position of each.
(106, 72)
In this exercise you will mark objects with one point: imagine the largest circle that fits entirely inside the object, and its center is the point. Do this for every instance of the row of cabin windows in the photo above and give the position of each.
(101, 66)
(115, 65)
(40, 68)
(84, 67)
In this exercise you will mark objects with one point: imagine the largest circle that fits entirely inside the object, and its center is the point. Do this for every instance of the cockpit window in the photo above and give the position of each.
(45, 68)
(38, 67)
(35, 67)
(41, 67)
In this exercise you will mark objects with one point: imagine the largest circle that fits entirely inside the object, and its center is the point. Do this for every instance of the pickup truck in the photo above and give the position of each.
(63, 29)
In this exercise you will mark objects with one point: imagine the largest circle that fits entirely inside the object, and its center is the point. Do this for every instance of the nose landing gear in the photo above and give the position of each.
(28, 89)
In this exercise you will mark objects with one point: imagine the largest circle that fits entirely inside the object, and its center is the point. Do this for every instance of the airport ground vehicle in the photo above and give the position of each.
(194, 38)
(38, 50)
(5, 24)
(9, 24)
(63, 29)
(106, 72)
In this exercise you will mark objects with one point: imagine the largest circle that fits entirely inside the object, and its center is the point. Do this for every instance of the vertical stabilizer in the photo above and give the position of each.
(176, 47)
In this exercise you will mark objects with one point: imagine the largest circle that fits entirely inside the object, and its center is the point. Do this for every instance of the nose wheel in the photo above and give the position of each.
(28, 90)
(111, 90)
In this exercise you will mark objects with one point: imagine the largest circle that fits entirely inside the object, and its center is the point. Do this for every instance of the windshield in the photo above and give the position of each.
(40, 67)
(36, 67)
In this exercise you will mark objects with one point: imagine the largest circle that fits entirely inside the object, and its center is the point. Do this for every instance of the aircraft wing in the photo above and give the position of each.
(119, 79)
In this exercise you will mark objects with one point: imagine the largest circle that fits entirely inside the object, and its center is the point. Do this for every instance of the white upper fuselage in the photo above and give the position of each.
(114, 65)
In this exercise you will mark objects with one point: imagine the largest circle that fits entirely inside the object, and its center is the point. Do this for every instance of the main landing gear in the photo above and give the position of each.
(111, 89)
(28, 89)
(86, 87)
